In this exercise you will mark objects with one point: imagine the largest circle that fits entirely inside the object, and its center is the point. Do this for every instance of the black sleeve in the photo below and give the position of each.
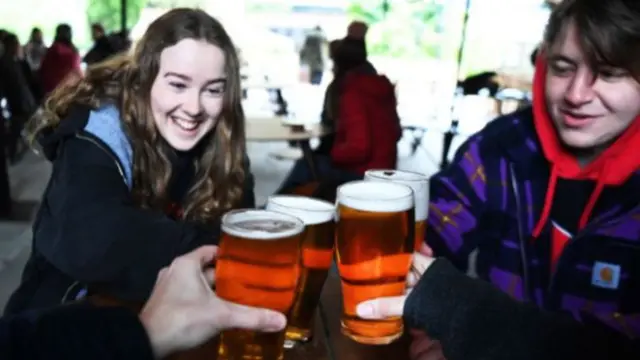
(95, 234)
(249, 197)
(474, 320)
(74, 332)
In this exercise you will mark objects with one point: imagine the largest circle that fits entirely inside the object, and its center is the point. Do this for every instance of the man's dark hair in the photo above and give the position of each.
(608, 31)
(98, 27)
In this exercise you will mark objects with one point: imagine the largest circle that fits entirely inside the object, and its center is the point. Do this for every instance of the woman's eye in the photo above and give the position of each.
(215, 91)
(177, 85)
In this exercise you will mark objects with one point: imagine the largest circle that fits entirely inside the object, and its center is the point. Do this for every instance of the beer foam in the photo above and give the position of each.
(375, 196)
(310, 211)
(419, 183)
(261, 224)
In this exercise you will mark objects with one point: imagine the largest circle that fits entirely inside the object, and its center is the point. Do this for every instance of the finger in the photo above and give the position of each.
(434, 352)
(250, 318)
(428, 355)
(210, 276)
(381, 308)
(412, 278)
(426, 349)
(420, 264)
(420, 346)
(161, 274)
(426, 250)
(416, 332)
(203, 255)
(408, 291)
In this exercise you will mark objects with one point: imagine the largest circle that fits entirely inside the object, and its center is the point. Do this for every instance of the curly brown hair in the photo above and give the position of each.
(126, 82)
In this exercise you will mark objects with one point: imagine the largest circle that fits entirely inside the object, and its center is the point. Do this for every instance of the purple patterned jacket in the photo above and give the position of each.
(491, 197)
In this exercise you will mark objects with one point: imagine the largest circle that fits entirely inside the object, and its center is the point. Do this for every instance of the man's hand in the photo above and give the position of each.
(422, 346)
(382, 308)
(183, 312)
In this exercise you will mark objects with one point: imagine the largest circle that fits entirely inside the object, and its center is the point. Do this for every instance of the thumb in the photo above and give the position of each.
(203, 255)
(381, 308)
(251, 318)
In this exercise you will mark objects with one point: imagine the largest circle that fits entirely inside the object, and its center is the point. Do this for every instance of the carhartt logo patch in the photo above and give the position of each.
(605, 275)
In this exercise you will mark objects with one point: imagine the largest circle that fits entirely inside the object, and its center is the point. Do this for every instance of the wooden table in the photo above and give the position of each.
(266, 129)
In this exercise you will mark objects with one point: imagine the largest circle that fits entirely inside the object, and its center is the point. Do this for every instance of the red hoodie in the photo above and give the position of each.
(368, 126)
(612, 167)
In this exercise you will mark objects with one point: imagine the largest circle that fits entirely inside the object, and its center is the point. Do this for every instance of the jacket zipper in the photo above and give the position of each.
(100, 145)
(521, 237)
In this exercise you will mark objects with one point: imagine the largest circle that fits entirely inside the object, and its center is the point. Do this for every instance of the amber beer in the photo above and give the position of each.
(374, 243)
(257, 265)
(419, 183)
(317, 253)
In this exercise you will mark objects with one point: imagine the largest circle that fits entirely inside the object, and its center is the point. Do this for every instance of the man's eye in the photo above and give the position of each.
(561, 69)
(612, 74)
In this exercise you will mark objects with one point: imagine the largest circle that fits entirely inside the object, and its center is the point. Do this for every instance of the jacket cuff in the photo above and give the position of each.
(94, 332)
(440, 296)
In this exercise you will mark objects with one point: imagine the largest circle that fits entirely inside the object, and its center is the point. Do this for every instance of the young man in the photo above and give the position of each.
(550, 196)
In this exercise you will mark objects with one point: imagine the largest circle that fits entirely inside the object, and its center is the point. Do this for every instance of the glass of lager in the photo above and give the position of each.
(374, 244)
(257, 265)
(316, 256)
(419, 183)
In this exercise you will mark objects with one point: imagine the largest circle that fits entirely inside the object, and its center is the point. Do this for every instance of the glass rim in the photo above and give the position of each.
(275, 215)
(274, 198)
(374, 174)
(407, 188)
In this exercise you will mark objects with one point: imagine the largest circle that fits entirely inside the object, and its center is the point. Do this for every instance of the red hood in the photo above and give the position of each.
(612, 167)
(377, 86)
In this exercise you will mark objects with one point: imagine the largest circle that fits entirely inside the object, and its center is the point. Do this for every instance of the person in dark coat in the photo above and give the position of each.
(17, 82)
(182, 313)
(103, 47)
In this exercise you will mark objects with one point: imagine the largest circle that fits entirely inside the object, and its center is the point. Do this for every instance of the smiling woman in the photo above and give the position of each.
(148, 151)
(186, 97)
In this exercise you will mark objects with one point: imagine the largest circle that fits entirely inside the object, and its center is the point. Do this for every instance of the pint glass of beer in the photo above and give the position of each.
(420, 185)
(317, 253)
(257, 265)
(374, 244)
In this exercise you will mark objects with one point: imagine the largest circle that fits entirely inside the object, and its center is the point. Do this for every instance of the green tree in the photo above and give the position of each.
(369, 11)
(400, 28)
(107, 13)
(170, 4)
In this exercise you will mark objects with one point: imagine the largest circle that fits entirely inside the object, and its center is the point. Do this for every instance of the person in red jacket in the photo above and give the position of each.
(362, 106)
(60, 61)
